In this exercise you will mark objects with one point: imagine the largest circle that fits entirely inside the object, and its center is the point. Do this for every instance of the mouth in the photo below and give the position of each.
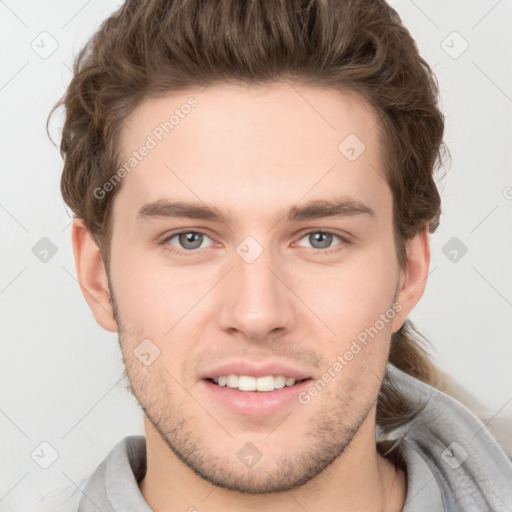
(254, 397)
(247, 383)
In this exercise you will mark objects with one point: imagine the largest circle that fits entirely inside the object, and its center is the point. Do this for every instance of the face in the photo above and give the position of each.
(249, 242)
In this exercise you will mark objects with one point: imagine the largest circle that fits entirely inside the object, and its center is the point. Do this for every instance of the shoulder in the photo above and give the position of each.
(500, 427)
(88, 490)
(468, 454)
(498, 423)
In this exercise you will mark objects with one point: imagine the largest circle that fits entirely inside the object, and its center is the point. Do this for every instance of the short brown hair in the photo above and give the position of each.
(150, 48)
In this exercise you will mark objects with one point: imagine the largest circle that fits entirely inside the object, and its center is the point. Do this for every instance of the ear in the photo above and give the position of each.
(92, 275)
(413, 278)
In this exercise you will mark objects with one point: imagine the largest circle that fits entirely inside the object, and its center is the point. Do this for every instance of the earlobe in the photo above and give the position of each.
(92, 276)
(413, 278)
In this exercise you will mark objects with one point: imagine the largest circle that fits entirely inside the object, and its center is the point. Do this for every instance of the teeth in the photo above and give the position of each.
(232, 381)
(247, 383)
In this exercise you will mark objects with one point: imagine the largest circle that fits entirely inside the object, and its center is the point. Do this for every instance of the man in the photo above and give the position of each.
(253, 186)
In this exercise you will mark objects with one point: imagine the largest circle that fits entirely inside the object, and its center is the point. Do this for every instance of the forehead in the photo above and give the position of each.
(257, 147)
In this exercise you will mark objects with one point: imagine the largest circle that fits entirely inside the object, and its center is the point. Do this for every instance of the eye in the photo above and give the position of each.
(186, 240)
(323, 240)
(190, 241)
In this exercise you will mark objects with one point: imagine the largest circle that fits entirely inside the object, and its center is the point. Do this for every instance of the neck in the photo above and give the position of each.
(360, 479)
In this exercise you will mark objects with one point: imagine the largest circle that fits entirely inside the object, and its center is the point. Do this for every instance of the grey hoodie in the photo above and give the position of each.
(452, 461)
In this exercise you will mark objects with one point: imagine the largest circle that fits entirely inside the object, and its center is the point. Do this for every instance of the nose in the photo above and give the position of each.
(257, 301)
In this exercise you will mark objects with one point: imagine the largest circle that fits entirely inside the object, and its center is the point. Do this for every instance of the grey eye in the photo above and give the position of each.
(190, 240)
(320, 240)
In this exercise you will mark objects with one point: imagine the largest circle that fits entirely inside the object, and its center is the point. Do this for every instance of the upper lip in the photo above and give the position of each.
(255, 370)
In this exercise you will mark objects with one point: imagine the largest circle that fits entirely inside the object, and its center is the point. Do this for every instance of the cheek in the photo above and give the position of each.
(349, 298)
(152, 298)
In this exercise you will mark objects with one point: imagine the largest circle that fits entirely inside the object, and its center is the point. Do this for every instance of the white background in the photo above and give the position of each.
(61, 374)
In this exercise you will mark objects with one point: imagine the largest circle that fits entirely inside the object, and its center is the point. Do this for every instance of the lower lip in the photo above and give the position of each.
(255, 403)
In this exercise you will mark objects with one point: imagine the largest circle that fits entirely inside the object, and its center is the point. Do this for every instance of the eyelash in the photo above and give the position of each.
(344, 241)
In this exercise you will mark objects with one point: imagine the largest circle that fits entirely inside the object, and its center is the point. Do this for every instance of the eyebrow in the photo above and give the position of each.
(316, 209)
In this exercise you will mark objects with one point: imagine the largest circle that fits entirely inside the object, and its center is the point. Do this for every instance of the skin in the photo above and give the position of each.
(247, 150)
